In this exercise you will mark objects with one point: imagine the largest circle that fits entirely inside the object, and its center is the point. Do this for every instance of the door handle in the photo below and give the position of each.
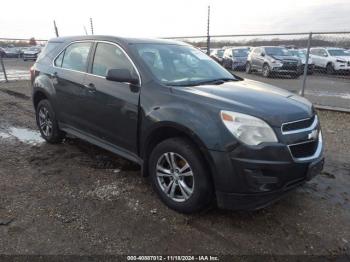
(90, 87)
(54, 74)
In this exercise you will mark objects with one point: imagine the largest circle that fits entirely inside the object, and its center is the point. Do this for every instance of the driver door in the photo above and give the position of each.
(111, 108)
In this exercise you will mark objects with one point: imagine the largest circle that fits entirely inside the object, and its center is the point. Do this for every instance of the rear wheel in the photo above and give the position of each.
(47, 122)
(266, 72)
(179, 176)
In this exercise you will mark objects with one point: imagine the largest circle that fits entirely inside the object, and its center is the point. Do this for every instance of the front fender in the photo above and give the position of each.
(196, 120)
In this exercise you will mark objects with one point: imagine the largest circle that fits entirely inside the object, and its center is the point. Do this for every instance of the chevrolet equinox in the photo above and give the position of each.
(201, 134)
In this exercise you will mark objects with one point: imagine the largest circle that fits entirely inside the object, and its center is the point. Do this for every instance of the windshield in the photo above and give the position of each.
(297, 53)
(338, 52)
(278, 51)
(243, 52)
(180, 65)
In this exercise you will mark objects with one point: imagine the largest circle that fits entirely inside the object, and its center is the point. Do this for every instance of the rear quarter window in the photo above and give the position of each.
(48, 51)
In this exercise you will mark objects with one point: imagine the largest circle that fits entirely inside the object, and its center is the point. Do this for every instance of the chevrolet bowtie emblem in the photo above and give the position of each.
(313, 135)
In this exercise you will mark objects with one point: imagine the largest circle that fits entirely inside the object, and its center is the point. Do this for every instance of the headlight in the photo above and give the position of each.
(248, 129)
(340, 61)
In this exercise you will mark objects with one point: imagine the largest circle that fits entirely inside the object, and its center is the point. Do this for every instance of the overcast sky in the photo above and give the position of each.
(161, 18)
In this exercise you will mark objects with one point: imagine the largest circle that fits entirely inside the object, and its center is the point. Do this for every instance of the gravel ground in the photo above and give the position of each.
(74, 198)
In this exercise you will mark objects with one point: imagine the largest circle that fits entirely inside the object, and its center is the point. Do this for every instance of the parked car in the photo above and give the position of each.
(217, 55)
(31, 53)
(11, 52)
(272, 60)
(199, 132)
(235, 58)
(302, 56)
(332, 59)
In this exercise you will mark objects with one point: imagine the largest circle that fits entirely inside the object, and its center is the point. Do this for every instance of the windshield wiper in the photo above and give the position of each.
(217, 81)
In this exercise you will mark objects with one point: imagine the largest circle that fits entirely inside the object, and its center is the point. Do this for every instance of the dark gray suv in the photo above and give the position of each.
(273, 60)
(201, 134)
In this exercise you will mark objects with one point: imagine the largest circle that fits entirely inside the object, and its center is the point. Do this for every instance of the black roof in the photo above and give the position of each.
(123, 40)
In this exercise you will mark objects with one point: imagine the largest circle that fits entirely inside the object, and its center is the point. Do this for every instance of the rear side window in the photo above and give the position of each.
(108, 56)
(75, 57)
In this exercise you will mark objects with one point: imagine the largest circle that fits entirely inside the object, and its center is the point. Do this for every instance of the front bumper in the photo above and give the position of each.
(251, 178)
(342, 66)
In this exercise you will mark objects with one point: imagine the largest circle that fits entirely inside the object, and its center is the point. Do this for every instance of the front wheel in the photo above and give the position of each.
(266, 70)
(330, 69)
(47, 122)
(179, 176)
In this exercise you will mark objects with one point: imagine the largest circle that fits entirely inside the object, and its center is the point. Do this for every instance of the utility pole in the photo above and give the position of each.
(56, 30)
(208, 32)
(92, 26)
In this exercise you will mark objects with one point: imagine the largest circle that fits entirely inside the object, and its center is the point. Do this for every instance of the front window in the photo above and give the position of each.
(180, 64)
(338, 52)
(277, 51)
(242, 52)
(108, 56)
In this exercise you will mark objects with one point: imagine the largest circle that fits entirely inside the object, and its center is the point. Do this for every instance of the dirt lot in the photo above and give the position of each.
(74, 198)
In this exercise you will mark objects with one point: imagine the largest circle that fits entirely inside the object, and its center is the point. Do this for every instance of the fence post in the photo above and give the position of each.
(3, 68)
(208, 32)
(306, 64)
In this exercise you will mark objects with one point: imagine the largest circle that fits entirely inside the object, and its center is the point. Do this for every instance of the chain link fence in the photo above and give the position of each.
(276, 59)
(281, 59)
(17, 56)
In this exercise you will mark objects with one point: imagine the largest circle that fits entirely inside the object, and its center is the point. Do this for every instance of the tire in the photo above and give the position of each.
(198, 190)
(248, 68)
(330, 69)
(266, 72)
(47, 122)
(295, 76)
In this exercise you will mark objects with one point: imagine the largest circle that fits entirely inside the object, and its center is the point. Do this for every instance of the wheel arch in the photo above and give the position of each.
(166, 130)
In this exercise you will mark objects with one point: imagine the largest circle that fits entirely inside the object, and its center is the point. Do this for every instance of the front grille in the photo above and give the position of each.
(289, 65)
(296, 125)
(305, 149)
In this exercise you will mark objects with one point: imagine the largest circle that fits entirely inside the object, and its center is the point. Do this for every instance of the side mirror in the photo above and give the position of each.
(262, 54)
(121, 75)
(325, 55)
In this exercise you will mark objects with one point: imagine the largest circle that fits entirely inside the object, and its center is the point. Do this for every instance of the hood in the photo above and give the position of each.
(31, 52)
(285, 58)
(345, 58)
(274, 105)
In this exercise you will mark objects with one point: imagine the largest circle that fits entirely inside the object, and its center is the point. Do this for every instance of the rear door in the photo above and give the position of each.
(70, 69)
(111, 107)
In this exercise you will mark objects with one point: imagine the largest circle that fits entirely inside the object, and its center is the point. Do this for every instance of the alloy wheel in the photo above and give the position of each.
(175, 176)
(45, 121)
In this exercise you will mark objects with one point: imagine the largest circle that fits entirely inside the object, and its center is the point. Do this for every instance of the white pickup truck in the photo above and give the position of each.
(332, 59)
